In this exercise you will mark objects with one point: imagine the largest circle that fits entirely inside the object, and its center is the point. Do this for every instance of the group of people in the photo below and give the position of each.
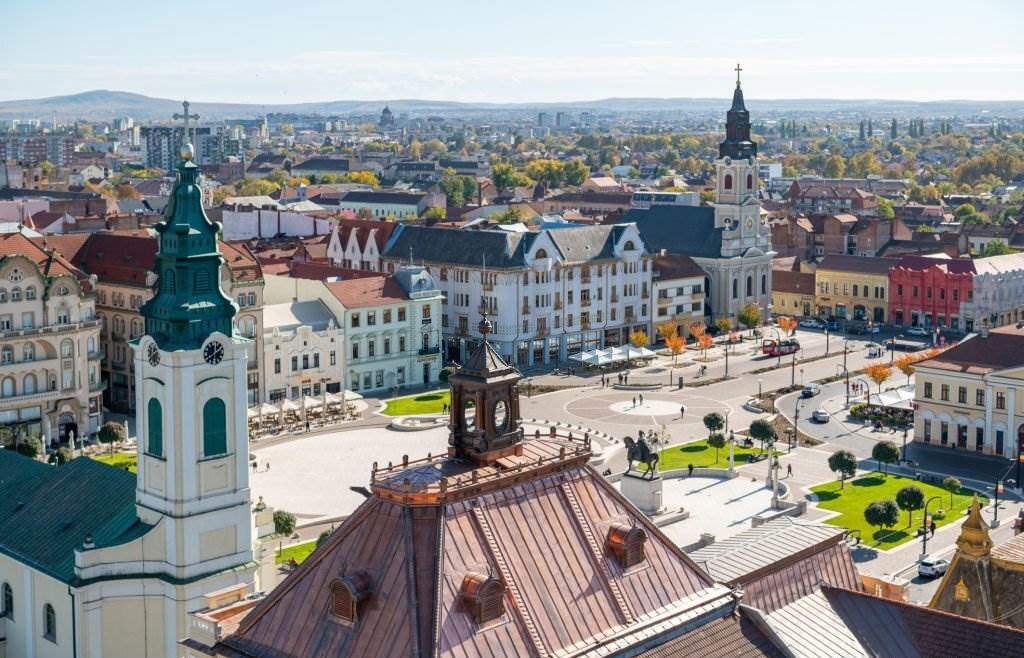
(641, 402)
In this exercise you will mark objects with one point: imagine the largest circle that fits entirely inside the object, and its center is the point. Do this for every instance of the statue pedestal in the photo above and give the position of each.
(643, 492)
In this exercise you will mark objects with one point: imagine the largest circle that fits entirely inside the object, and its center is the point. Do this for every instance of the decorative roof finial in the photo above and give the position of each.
(738, 69)
(485, 327)
(187, 141)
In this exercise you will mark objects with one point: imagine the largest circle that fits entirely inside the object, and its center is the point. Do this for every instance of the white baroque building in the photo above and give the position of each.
(549, 294)
(998, 297)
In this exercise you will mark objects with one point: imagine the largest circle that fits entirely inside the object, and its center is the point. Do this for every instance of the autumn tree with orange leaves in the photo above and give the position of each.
(878, 373)
(675, 344)
(787, 324)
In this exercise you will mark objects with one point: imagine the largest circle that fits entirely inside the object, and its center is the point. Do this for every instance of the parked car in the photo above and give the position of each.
(932, 567)
(917, 331)
(875, 350)
(811, 323)
(810, 391)
(820, 416)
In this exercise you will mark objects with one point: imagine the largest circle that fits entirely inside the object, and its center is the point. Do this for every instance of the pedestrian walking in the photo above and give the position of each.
(682, 411)
(268, 465)
(634, 402)
(689, 470)
(789, 470)
(620, 378)
(641, 399)
(932, 527)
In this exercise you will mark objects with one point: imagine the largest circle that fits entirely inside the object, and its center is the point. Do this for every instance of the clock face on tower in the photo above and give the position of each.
(750, 223)
(153, 354)
(213, 352)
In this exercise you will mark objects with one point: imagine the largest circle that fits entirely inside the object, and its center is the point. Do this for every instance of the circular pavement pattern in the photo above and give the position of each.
(648, 408)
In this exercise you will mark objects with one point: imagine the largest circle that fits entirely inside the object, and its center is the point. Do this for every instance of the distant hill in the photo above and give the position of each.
(102, 104)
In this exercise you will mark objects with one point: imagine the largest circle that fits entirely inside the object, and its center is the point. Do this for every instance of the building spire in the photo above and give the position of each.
(974, 540)
(738, 69)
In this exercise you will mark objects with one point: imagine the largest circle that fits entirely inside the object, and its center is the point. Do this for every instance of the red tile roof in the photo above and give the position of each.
(793, 282)
(51, 263)
(367, 291)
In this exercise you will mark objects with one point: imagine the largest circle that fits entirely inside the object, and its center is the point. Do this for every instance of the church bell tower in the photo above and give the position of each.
(736, 206)
(193, 448)
(484, 414)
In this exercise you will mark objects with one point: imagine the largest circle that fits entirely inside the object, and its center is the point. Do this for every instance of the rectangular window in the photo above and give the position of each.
(355, 351)
(979, 438)
(944, 433)
(371, 348)
(961, 395)
(401, 343)
(401, 314)
(355, 319)
(1001, 401)
(387, 345)
(305, 362)
(316, 359)
(944, 393)
(295, 364)
(371, 318)
(927, 431)
(277, 366)
(387, 316)
(333, 358)
(979, 397)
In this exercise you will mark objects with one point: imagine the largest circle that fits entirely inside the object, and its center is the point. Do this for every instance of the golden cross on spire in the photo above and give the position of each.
(738, 69)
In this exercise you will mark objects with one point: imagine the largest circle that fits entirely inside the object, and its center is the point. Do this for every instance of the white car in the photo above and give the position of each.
(810, 324)
(931, 567)
(917, 331)
(820, 416)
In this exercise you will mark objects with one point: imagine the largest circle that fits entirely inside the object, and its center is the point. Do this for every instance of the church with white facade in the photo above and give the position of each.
(96, 562)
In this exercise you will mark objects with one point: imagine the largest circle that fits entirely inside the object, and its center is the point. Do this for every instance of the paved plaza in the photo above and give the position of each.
(718, 506)
(312, 476)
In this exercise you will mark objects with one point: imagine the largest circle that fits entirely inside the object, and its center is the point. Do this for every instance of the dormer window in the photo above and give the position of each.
(483, 597)
(347, 593)
(626, 543)
(629, 246)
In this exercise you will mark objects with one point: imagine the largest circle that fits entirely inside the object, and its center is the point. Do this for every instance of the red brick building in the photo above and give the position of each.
(927, 291)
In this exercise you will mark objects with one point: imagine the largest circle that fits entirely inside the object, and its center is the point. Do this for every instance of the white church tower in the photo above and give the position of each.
(742, 275)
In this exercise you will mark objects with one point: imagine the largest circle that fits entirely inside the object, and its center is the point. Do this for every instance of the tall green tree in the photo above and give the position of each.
(885, 452)
(882, 513)
(952, 485)
(909, 499)
(749, 316)
(894, 129)
(843, 462)
(761, 430)
(713, 422)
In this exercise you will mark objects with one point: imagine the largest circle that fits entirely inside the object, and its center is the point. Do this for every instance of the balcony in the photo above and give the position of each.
(51, 329)
(664, 301)
(96, 387)
(429, 351)
(584, 303)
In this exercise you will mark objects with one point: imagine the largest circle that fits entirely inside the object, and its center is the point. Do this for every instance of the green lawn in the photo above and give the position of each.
(701, 455)
(858, 494)
(118, 460)
(413, 405)
(299, 551)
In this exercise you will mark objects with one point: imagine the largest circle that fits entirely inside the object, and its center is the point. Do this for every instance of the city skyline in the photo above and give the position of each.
(541, 53)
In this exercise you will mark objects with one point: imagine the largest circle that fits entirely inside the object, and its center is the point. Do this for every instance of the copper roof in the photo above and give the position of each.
(536, 520)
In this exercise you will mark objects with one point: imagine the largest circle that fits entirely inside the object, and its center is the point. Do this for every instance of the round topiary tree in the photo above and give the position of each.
(30, 447)
(910, 498)
(61, 456)
(761, 430)
(284, 522)
(111, 433)
(843, 462)
(716, 441)
(882, 513)
(714, 422)
(885, 452)
(952, 485)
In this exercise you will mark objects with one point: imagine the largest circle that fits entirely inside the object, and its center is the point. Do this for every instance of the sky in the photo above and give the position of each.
(526, 51)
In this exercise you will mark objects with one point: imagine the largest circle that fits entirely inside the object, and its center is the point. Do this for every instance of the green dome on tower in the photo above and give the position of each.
(189, 304)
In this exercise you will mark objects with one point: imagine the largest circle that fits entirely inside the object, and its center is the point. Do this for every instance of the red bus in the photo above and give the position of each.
(779, 347)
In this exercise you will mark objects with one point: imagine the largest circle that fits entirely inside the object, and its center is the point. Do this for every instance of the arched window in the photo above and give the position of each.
(750, 181)
(7, 389)
(252, 299)
(15, 294)
(541, 254)
(28, 385)
(750, 286)
(7, 601)
(49, 623)
(155, 428)
(629, 246)
(30, 292)
(764, 284)
(215, 434)
(7, 354)
(735, 288)
(728, 181)
(3, 294)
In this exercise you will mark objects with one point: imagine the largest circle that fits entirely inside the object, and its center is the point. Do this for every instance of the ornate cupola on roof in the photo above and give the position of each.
(484, 415)
(189, 304)
(737, 144)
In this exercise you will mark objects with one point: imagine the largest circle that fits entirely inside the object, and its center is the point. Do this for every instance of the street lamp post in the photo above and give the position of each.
(792, 371)
(759, 384)
(826, 342)
(846, 349)
(727, 358)
(904, 455)
(924, 526)
(796, 422)
(995, 513)
(732, 450)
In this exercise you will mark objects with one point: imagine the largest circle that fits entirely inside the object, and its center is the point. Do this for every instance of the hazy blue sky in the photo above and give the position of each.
(526, 50)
